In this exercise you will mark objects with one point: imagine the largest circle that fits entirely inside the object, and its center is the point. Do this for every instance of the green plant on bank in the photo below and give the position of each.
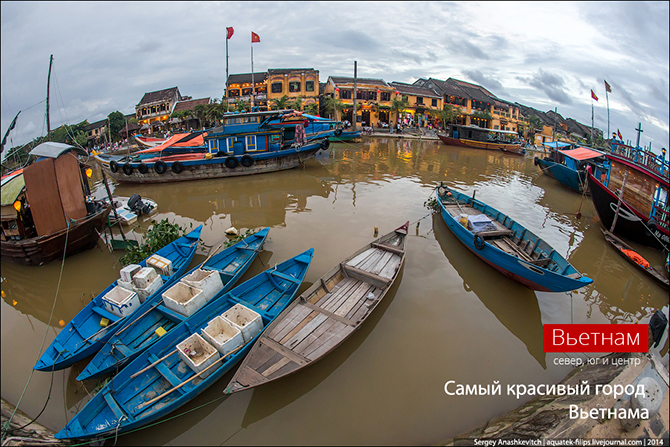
(432, 204)
(159, 235)
(235, 239)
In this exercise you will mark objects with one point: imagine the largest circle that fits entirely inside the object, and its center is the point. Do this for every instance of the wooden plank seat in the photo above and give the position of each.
(372, 278)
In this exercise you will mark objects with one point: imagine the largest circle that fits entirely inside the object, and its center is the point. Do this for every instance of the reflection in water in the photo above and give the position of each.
(514, 305)
(271, 397)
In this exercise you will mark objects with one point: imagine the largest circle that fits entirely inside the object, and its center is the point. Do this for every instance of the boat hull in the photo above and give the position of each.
(216, 167)
(631, 223)
(44, 249)
(510, 148)
(625, 250)
(575, 180)
(560, 277)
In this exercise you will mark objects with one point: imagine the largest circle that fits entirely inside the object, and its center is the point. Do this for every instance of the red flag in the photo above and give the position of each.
(255, 37)
(230, 32)
(593, 95)
(619, 134)
(607, 87)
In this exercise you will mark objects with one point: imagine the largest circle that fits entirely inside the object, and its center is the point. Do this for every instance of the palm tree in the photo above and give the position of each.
(281, 103)
(333, 107)
(242, 105)
(397, 105)
(200, 112)
(534, 123)
(447, 115)
(214, 112)
(312, 109)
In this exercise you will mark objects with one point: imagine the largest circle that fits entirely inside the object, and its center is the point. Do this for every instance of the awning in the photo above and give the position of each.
(178, 140)
(11, 190)
(556, 144)
(582, 153)
(54, 150)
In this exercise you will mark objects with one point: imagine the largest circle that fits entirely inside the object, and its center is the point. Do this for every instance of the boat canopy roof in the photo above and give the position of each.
(556, 144)
(484, 129)
(11, 190)
(51, 149)
(178, 140)
(582, 153)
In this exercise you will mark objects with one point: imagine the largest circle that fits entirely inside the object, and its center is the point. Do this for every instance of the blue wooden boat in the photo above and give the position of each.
(160, 380)
(85, 334)
(139, 331)
(569, 166)
(506, 245)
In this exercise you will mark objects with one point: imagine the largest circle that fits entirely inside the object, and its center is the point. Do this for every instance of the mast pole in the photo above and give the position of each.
(353, 119)
(51, 60)
(226, 95)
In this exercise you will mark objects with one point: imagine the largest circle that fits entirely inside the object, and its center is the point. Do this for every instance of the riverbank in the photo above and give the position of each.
(548, 417)
(21, 431)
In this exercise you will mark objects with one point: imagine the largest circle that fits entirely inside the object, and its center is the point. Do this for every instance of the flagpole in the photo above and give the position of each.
(253, 84)
(608, 114)
(226, 95)
(592, 142)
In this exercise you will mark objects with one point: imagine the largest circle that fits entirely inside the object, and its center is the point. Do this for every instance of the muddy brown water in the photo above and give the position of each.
(448, 317)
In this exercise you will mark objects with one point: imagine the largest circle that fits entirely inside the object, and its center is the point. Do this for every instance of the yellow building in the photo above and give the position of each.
(373, 99)
(240, 89)
(294, 83)
(155, 108)
(423, 104)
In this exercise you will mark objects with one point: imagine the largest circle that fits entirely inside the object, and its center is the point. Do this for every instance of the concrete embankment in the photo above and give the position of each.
(31, 434)
(548, 417)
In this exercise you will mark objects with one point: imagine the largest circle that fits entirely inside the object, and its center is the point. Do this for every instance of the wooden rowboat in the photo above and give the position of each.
(88, 331)
(635, 258)
(164, 377)
(326, 314)
(139, 331)
(506, 245)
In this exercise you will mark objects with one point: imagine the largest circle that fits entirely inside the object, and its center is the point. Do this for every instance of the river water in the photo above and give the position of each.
(448, 317)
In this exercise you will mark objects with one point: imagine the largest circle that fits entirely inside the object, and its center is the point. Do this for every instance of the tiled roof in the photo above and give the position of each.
(409, 89)
(277, 71)
(369, 81)
(242, 78)
(97, 125)
(160, 95)
(190, 104)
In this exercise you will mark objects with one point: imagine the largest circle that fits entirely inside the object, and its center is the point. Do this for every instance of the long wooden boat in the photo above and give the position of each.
(139, 331)
(478, 138)
(47, 209)
(506, 245)
(161, 379)
(88, 331)
(635, 258)
(643, 212)
(569, 166)
(324, 315)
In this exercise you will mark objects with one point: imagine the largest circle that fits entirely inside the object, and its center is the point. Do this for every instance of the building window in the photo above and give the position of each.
(309, 86)
(386, 96)
(419, 99)
(434, 102)
(294, 86)
(277, 87)
(246, 91)
(345, 94)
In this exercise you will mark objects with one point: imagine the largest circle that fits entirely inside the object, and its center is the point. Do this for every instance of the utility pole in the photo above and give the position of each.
(353, 124)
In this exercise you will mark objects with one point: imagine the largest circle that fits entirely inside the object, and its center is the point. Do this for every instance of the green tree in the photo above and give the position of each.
(241, 105)
(312, 109)
(296, 103)
(447, 115)
(116, 123)
(397, 105)
(200, 112)
(333, 107)
(214, 112)
(534, 124)
(280, 103)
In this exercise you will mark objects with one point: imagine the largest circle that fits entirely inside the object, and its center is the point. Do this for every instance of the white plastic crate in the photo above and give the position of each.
(146, 292)
(246, 320)
(184, 299)
(120, 301)
(162, 265)
(198, 354)
(129, 271)
(209, 281)
(144, 277)
(128, 285)
(222, 335)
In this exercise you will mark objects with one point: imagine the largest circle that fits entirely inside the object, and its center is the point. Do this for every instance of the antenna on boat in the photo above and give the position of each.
(51, 60)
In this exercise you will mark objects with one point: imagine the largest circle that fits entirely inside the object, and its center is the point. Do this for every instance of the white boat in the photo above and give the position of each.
(130, 208)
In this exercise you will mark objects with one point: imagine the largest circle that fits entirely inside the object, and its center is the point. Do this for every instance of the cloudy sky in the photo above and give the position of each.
(543, 55)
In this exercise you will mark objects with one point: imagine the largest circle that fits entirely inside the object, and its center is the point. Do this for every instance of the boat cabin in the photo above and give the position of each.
(482, 134)
(47, 195)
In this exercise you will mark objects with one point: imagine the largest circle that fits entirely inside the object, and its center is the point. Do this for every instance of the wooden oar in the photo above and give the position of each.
(136, 320)
(190, 379)
(210, 255)
(153, 364)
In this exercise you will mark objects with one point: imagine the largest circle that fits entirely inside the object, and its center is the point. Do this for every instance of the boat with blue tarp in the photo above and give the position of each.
(216, 275)
(194, 355)
(568, 166)
(90, 329)
(506, 245)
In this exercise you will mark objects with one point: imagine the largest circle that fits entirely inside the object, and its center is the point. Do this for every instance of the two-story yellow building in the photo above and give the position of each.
(294, 83)
(155, 108)
(373, 99)
(240, 89)
(423, 104)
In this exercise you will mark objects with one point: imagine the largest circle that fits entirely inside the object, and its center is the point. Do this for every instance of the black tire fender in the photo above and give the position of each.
(127, 169)
(160, 167)
(177, 167)
(479, 242)
(142, 168)
(113, 166)
(325, 144)
(338, 132)
(535, 161)
(247, 160)
(231, 162)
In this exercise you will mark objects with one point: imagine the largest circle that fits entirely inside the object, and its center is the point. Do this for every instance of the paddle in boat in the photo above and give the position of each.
(568, 166)
(324, 315)
(506, 245)
(635, 258)
(159, 315)
(191, 357)
(88, 331)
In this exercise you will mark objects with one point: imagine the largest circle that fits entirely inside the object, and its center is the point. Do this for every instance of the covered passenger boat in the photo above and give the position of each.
(568, 166)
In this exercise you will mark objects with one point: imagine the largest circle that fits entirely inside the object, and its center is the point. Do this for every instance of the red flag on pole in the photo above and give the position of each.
(607, 87)
(230, 32)
(593, 95)
(255, 37)
(619, 134)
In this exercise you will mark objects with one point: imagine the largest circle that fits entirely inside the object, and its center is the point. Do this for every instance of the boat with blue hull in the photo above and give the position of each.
(164, 377)
(506, 245)
(568, 166)
(154, 319)
(90, 329)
